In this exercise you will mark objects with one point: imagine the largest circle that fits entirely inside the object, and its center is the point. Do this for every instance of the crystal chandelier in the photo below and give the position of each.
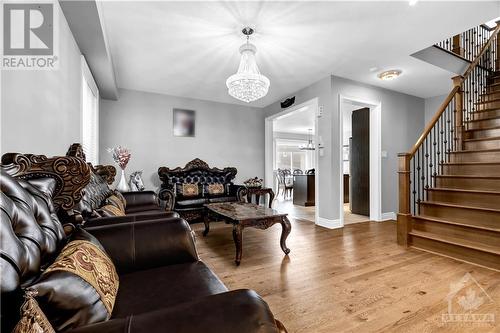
(248, 84)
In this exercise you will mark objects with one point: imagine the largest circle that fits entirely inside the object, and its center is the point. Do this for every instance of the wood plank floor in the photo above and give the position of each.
(352, 280)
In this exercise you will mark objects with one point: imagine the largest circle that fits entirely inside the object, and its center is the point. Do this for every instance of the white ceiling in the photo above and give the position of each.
(296, 122)
(190, 48)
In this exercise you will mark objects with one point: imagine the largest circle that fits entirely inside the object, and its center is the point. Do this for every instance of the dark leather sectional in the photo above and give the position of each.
(197, 172)
(164, 286)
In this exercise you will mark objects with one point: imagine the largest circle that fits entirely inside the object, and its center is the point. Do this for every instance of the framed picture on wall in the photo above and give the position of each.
(184, 122)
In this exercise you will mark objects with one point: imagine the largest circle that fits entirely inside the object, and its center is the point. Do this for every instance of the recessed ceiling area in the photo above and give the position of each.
(189, 49)
(296, 122)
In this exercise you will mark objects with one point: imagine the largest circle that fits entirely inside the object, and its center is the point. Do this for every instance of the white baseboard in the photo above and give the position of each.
(388, 216)
(330, 224)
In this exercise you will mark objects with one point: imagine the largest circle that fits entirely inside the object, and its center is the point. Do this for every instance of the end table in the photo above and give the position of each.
(256, 192)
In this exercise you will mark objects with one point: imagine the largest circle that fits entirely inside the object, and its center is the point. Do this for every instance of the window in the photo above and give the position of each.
(289, 155)
(90, 115)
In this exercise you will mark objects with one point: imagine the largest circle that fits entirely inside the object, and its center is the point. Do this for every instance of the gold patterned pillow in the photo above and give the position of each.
(190, 190)
(216, 189)
(32, 317)
(110, 210)
(114, 200)
(80, 287)
(121, 197)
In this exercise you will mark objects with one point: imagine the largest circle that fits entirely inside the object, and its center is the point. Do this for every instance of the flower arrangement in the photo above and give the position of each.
(121, 156)
(253, 182)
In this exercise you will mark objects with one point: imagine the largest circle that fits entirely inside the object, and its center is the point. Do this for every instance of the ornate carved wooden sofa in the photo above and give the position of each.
(163, 285)
(205, 185)
(138, 206)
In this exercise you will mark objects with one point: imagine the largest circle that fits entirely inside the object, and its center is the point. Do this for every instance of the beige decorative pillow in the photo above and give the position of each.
(190, 190)
(115, 200)
(33, 320)
(216, 188)
(110, 210)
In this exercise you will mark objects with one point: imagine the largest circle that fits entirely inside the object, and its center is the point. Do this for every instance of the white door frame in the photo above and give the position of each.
(269, 148)
(375, 156)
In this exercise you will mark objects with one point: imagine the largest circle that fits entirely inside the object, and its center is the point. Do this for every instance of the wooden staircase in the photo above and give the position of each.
(450, 198)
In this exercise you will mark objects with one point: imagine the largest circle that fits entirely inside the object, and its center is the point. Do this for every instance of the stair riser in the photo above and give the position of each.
(483, 133)
(481, 200)
(493, 156)
(488, 105)
(482, 169)
(466, 233)
(484, 123)
(490, 96)
(486, 114)
(470, 184)
(493, 80)
(478, 145)
(458, 252)
(479, 217)
(491, 89)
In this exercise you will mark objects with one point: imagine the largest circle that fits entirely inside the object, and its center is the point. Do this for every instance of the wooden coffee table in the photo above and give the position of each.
(242, 215)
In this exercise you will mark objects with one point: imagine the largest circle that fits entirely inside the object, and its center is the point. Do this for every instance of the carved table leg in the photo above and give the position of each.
(206, 221)
(238, 239)
(257, 199)
(271, 198)
(286, 228)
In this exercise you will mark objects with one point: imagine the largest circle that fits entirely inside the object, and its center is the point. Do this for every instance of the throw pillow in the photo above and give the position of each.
(110, 210)
(80, 287)
(121, 197)
(114, 200)
(190, 190)
(216, 189)
(32, 317)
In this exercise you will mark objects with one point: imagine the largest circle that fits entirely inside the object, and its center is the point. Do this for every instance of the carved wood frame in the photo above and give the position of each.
(70, 173)
(107, 172)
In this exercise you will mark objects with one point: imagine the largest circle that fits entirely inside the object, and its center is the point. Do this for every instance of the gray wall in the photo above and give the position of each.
(402, 123)
(226, 134)
(41, 109)
(432, 105)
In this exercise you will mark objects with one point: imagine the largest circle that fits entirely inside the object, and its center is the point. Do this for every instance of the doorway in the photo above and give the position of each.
(360, 170)
(291, 160)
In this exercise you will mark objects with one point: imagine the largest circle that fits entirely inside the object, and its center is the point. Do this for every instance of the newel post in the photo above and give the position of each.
(456, 45)
(459, 107)
(404, 214)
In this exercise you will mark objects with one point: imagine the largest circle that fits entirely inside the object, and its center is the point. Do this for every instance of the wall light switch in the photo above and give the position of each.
(320, 111)
(321, 152)
(384, 153)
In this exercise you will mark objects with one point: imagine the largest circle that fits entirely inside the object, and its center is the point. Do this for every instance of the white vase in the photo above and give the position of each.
(123, 185)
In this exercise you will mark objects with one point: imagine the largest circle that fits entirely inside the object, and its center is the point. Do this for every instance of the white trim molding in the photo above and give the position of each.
(330, 224)
(388, 216)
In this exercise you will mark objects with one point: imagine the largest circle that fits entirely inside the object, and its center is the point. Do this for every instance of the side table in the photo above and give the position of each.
(256, 192)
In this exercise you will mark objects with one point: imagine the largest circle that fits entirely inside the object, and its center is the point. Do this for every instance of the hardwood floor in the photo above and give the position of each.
(352, 280)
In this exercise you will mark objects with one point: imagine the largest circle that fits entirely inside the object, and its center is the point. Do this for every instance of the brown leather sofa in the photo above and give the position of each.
(197, 172)
(163, 285)
(140, 206)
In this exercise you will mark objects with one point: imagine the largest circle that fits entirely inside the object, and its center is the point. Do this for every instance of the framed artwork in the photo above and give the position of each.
(184, 122)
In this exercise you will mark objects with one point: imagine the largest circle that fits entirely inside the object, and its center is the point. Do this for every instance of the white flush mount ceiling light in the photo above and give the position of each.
(413, 2)
(389, 75)
(248, 84)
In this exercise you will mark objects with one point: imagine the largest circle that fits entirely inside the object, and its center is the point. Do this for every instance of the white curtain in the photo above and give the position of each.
(90, 115)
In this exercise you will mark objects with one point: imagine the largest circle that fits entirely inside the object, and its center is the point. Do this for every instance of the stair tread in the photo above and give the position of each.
(474, 151)
(461, 190)
(486, 102)
(484, 139)
(462, 224)
(470, 163)
(484, 119)
(468, 176)
(483, 129)
(446, 204)
(457, 241)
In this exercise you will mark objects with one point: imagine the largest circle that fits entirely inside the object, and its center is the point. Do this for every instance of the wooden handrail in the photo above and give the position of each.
(448, 99)
(433, 122)
(483, 50)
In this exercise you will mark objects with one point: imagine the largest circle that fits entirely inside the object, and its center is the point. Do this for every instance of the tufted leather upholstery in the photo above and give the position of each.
(31, 232)
(159, 269)
(197, 172)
